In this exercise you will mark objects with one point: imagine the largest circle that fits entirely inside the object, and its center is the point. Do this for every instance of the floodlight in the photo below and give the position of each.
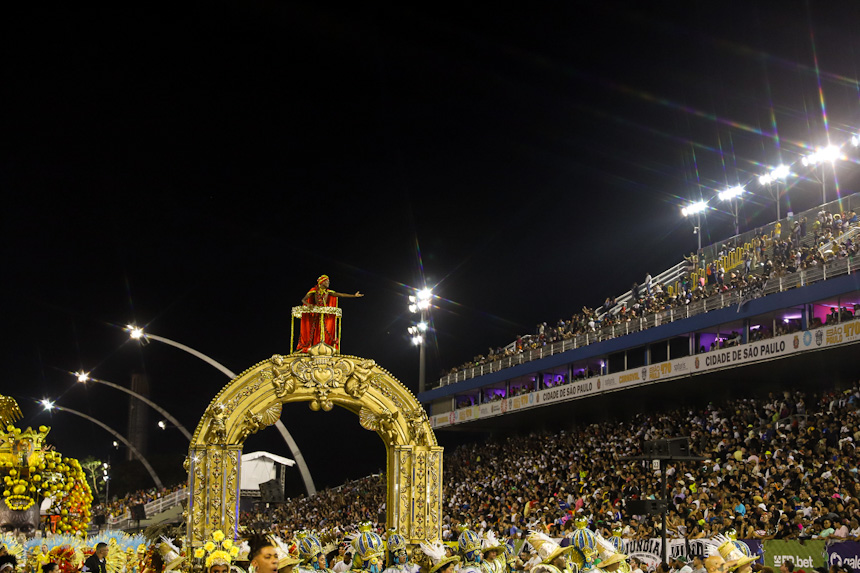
(855, 140)
(47, 404)
(694, 208)
(162, 425)
(422, 326)
(731, 193)
(83, 377)
(766, 179)
(413, 307)
(412, 298)
(423, 304)
(135, 332)
(781, 172)
(830, 153)
(425, 294)
(418, 339)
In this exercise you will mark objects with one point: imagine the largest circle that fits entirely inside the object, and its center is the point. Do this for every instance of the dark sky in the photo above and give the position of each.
(194, 169)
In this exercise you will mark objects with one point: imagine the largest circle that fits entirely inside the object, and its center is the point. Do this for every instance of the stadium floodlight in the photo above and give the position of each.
(47, 404)
(855, 140)
(423, 304)
(775, 174)
(731, 193)
(694, 208)
(830, 153)
(135, 332)
(422, 326)
(162, 424)
(416, 340)
(413, 307)
(83, 377)
(425, 294)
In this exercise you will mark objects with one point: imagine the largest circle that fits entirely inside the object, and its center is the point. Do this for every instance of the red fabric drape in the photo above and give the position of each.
(310, 325)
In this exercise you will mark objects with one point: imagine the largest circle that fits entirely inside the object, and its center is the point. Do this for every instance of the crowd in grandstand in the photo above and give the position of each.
(118, 506)
(782, 467)
(779, 254)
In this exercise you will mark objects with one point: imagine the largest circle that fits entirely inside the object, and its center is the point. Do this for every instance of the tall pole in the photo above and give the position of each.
(285, 434)
(146, 401)
(116, 435)
(699, 229)
(422, 358)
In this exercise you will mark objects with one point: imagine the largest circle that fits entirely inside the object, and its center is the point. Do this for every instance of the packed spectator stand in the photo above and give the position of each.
(769, 259)
(781, 467)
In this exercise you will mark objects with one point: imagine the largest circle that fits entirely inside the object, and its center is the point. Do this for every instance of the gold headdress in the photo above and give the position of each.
(288, 554)
(729, 552)
(31, 471)
(170, 554)
(547, 549)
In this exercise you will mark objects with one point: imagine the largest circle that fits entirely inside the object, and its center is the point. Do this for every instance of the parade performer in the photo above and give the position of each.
(311, 554)
(398, 558)
(609, 559)
(584, 540)
(554, 558)
(470, 551)
(369, 550)
(616, 540)
(729, 551)
(31, 472)
(317, 327)
(288, 554)
(438, 558)
(512, 560)
(492, 552)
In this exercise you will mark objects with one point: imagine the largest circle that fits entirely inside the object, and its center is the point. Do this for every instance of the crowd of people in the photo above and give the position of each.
(781, 467)
(119, 506)
(773, 255)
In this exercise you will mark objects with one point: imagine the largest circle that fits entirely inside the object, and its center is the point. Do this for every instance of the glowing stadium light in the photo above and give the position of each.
(47, 404)
(135, 332)
(781, 171)
(412, 298)
(731, 193)
(162, 424)
(422, 326)
(425, 294)
(855, 140)
(83, 377)
(423, 304)
(694, 208)
(830, 153)
(115, 444)
(413, 307)
(416, 340)
(775, 174)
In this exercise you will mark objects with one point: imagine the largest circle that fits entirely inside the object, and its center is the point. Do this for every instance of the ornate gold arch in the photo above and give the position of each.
(253, 401)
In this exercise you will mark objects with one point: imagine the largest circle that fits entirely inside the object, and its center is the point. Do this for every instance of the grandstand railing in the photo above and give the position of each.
(154, 507)
(832, 269)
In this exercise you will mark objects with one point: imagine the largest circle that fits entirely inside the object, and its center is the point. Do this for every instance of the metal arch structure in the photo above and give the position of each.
(254, 400)
(285, 434)
(119, 437)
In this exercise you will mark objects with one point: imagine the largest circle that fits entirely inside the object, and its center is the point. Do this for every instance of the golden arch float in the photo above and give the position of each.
(324, 378)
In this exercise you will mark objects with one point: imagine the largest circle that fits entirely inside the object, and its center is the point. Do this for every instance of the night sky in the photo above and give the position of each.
(194, 169)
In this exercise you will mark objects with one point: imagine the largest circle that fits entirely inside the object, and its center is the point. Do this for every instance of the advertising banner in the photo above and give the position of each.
(844, 553)
(845, 333)
(806, 555)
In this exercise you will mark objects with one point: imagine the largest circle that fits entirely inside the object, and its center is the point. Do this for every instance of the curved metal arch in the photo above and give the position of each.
(254, 400)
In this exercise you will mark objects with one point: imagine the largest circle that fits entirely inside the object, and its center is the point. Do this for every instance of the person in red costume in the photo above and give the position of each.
(320, 295)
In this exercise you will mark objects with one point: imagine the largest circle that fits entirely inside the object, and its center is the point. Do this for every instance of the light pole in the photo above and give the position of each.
(731, 195)
(84, 377)
(50, 406)
(821, 156)
(772, 181)
(420, 303)
(696, 209)
(137, 333)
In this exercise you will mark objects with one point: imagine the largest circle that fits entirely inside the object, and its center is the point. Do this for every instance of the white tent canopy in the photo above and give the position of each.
(259, 467)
